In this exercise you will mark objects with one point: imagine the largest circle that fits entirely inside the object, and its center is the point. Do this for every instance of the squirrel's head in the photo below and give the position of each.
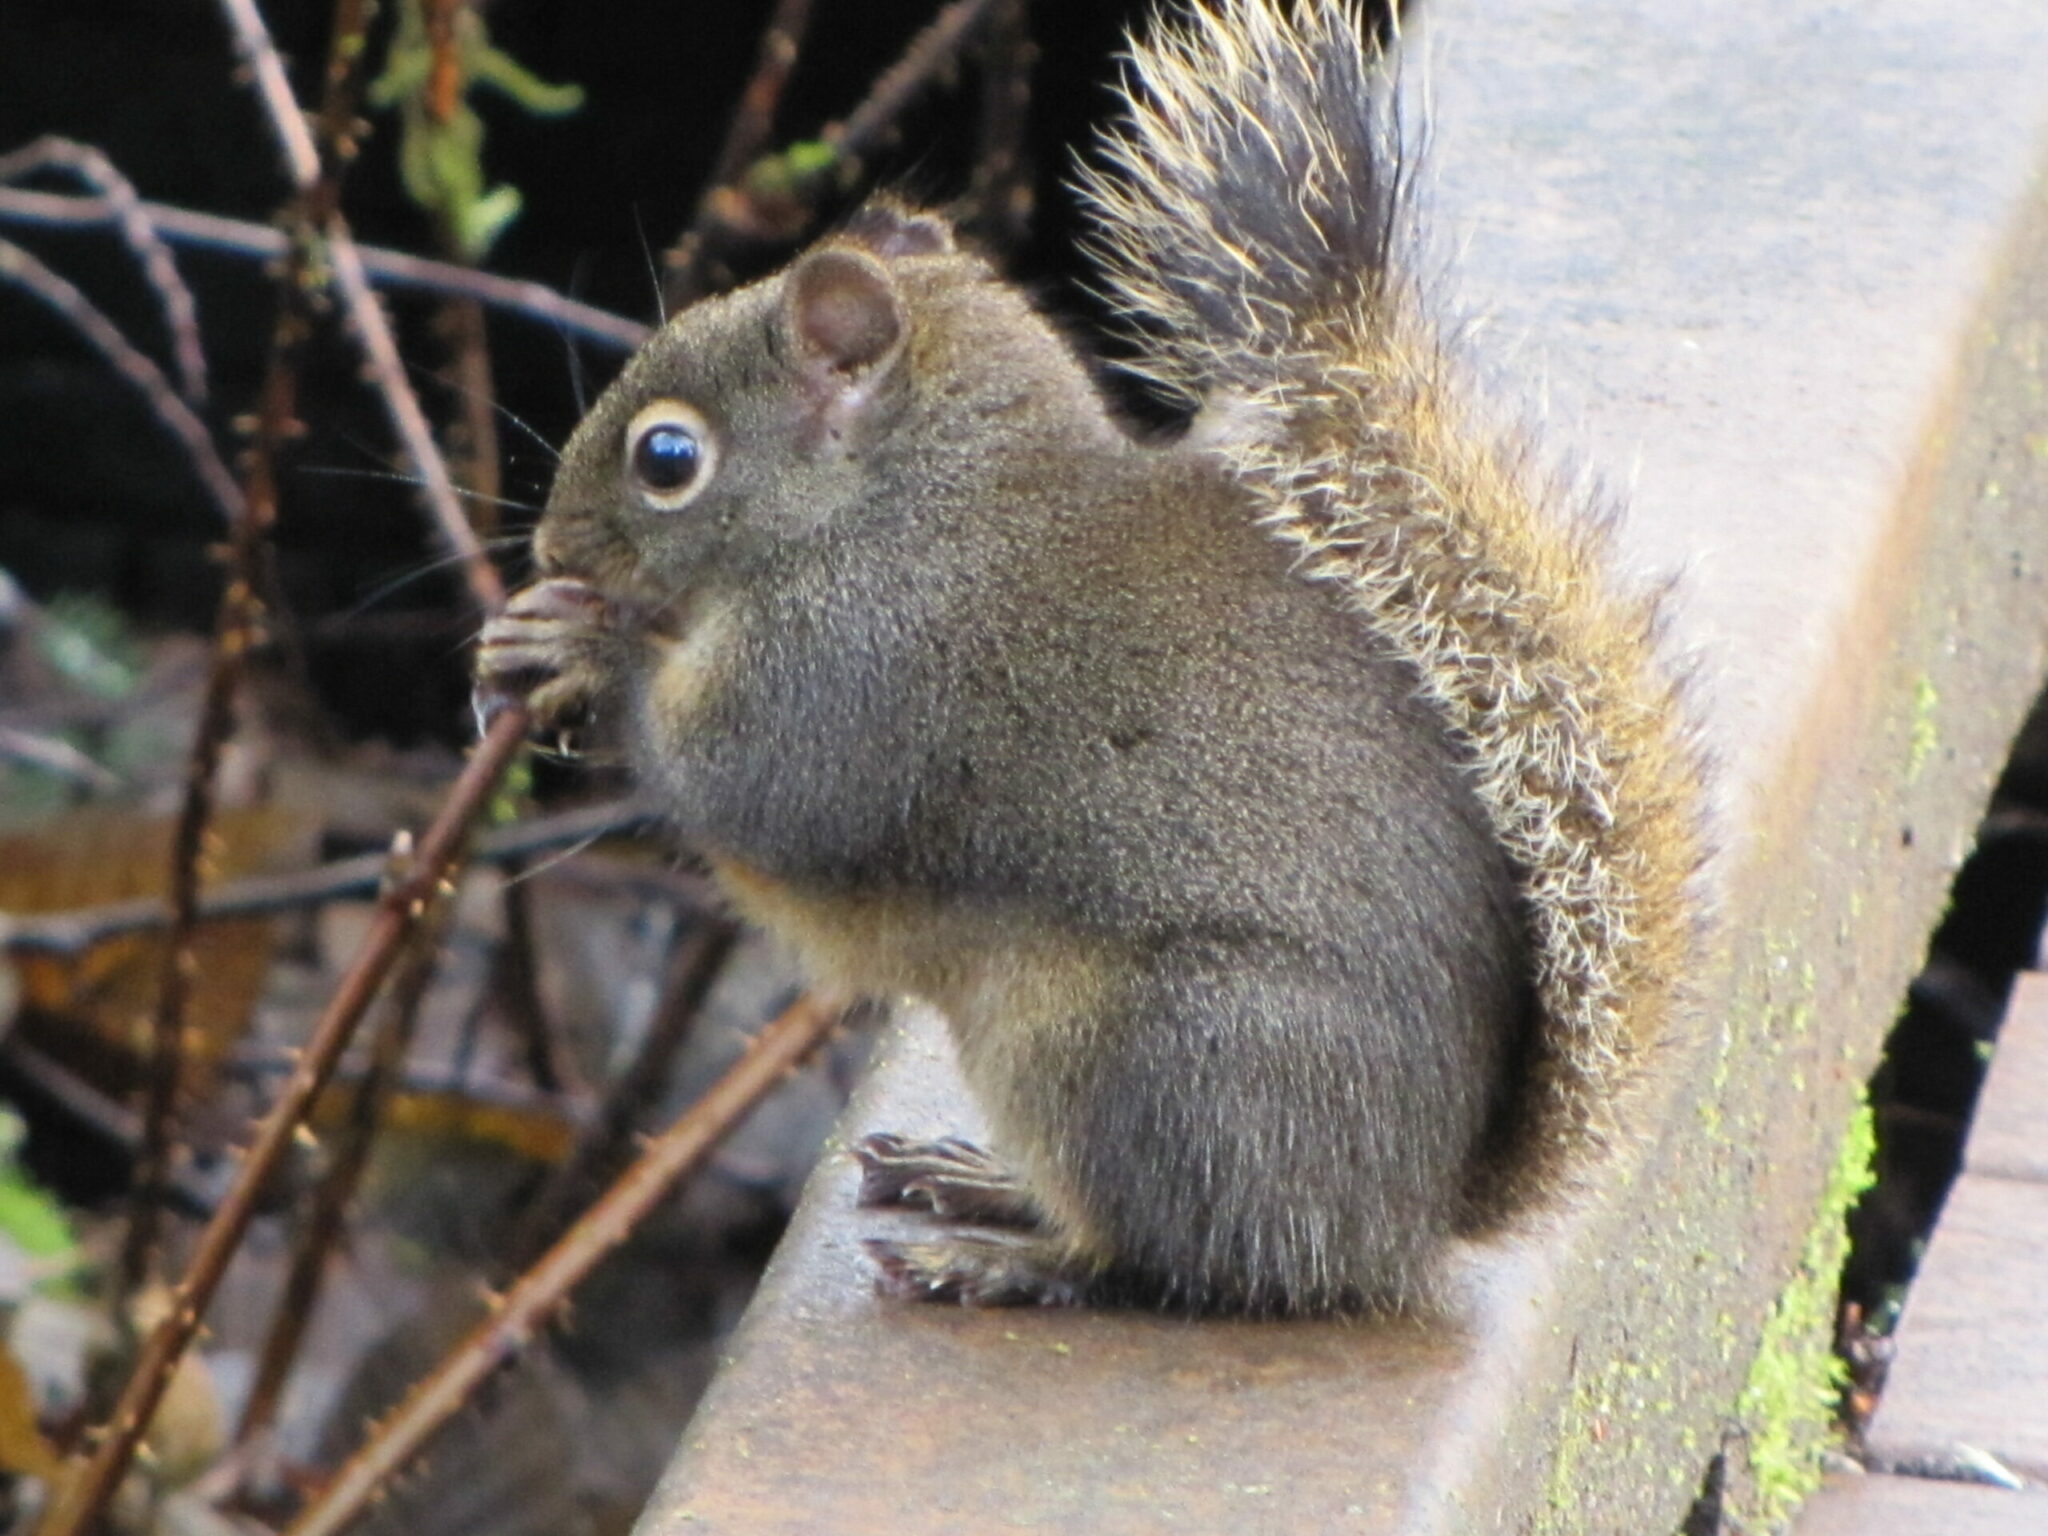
(773, 415)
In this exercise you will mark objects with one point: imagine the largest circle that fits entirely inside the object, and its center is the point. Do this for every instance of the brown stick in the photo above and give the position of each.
(692, 969)
(734, 211)
(514, 981)
(753, 122)
(350, 1155)
(73, 933)
(520, 1313)
(237, 632)
(266, 73)
(366, 317)
(394, 269)
(1001, 186)
(929, 52)
(85, 1492)
(102, 1114)
(235, 635)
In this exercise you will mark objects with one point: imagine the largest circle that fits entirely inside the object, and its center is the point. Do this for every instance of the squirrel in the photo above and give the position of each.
(1290, 819)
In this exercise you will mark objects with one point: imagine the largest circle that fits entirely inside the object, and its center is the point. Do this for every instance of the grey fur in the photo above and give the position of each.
(986, 651)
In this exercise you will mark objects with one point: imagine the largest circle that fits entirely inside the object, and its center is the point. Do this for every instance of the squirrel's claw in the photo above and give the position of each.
(979, 1271)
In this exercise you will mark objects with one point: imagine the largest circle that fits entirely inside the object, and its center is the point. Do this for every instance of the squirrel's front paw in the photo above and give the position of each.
(547, 651)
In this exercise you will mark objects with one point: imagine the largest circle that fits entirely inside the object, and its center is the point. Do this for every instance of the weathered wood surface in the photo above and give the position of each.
(1967, 1395)
(1782, 273)
(2009, 1136)
(1970, 1378)
(1916, 1506)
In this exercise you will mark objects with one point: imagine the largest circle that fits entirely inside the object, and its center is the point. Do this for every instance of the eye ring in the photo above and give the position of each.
(669, 454)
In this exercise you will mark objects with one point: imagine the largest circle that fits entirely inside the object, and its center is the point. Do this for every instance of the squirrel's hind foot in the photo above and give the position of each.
(953, 1179)
(981, 1270)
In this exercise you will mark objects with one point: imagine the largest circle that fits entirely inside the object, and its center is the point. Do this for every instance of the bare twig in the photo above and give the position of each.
(387, 268)
(753, 121)
(402, 407)
(53, 754)
(1001, 187)
(929, 53)
(115, 1123)
(366, 317)
(237, 631)
(101, 1113)
(746, 207)
(474, 434)
(59, 295)
(240, 614)
(266, 73)
(128, 213)
(436, 1080)
(73, 933)
(514, 981)
(349, 1155)
(85, 1490)
(523, 1310)
(692, 969)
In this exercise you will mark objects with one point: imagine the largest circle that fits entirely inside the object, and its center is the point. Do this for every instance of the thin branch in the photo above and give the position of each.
(235, 636)
(247, 513)
(55, 755)
(387, 268)
(349, 1155)
(85, 1491)
(366, 316)
(131, 216)
(73, 933)
(237, 632)
(514, 981)
(780, 206)
(930, 52)
(120, 1127)
(780, 1047)
(753, 122)
(102, 1114)
(692, 969)
(402, 407)
(1000, 189)
(266, 73)
(61, 297)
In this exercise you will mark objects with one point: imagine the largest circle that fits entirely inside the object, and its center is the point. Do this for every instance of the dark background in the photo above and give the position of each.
(94, 496)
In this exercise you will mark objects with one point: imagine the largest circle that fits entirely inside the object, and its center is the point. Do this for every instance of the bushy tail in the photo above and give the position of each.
(1252, 215)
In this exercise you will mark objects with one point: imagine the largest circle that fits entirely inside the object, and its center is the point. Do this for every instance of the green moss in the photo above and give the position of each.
(1922, 738)
(1787, 1408)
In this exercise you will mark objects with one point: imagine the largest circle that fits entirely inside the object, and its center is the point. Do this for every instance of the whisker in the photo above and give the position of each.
(560, 856)
(345, 472)
(497, 405)
(579, 388)
(423, 570)
(653, 272)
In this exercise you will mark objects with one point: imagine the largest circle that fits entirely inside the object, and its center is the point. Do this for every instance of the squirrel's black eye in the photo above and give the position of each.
(668, 453)
(665, 458)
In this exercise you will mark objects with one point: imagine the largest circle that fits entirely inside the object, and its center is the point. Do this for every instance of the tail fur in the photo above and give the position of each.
(1252, 222)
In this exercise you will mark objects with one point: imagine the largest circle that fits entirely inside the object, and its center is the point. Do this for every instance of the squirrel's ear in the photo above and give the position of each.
(845, 317)
(890, 228)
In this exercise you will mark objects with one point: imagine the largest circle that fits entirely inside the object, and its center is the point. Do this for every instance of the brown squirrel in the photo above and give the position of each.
(1289, 820)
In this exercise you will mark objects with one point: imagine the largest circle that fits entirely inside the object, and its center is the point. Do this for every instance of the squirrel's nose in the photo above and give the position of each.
(547, 555)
